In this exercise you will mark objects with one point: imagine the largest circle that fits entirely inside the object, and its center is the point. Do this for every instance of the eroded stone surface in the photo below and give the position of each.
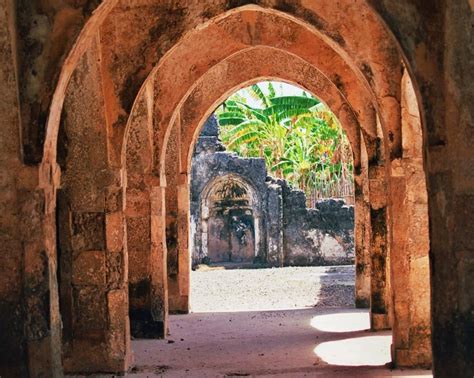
(234, 208)
(96, 56)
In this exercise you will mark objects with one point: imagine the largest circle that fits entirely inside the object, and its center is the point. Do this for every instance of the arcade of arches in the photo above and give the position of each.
(102, 102)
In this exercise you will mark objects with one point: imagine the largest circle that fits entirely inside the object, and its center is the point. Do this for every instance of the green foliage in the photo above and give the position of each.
(298, 136)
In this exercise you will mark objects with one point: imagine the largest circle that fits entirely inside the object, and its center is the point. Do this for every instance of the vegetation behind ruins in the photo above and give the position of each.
(298, 136)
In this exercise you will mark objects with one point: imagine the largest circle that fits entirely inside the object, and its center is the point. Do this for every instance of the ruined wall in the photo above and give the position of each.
(210, 163)
(285, 231)
(320, 236)
(437, 44)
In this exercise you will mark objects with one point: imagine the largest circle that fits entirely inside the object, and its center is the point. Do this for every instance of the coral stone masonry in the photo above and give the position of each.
(241, 215)
(102, 104)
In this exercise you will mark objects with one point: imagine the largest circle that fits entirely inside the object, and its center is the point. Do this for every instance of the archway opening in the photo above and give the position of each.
(242, 218)
(271, 187)
(148, 219)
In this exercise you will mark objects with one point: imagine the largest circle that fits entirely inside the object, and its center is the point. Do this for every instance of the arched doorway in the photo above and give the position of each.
(375, 176)
(229, 222)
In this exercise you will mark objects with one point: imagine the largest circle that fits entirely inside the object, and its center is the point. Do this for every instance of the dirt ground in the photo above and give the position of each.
(286, 322)
(219, 290)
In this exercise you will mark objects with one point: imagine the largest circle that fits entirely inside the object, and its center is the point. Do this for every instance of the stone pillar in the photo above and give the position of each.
(40, 328)
(91, 225)
(184, 258)
(450, 165)
(410, 247)
(147, 253)
(158, 264)
(147, 290)
(94, 291)
(410, 271)
(177, 303)
(275, 242)
(13, 359)
(362, 234)
(379, 248)
(30, 326)
(43, 325)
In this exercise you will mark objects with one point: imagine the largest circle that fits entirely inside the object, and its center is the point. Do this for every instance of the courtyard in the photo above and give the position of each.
(287, 322)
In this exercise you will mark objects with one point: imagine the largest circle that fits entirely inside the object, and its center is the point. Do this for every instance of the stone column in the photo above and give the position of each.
(177, 302)
(147, 253)
(410, 247)
(30, 325)
(362, 234)
(379, 248)
(275, 242)
(158, 264)
(93, 249)
(94, 286)
(146, 289)
(184, 258)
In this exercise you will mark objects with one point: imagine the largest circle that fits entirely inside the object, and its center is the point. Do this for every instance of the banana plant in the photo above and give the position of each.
(298, 136)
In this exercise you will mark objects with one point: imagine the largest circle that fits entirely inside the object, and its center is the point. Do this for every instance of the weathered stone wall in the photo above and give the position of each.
(92, 248)
(42, 44)
(211, 163)
(320, 236)
(285, 231)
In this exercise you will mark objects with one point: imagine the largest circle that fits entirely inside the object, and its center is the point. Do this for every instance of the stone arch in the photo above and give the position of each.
(327, 61)
(379, 217)
(356, 79)
(356, 86)
(237, 72)
(444, 101)
(378, 183)
(243, 69)
(333, 25)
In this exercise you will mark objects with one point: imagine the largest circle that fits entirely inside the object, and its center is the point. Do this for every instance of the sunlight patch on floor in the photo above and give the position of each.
(346, 322)
(358, 351)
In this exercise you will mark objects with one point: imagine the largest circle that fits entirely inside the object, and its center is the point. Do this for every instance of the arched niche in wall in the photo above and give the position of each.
(229, 224)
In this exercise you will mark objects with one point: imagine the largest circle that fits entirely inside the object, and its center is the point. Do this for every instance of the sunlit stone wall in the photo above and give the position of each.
(265, 221)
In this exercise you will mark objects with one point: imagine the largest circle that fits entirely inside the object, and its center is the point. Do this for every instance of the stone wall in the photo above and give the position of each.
(267, 215)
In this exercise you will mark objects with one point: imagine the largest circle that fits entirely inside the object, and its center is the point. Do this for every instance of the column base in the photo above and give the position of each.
(89, 357)
(379, 322)
(179, 305)
(362, 303)
(143, 326)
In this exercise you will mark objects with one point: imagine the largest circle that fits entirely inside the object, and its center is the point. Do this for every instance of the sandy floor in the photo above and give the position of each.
(309, 328)
(272, 289)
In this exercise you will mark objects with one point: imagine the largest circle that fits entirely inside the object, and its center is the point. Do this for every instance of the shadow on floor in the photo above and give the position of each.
(290, 343)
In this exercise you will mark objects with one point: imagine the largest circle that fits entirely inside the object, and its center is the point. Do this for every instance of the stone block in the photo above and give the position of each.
(116, 269)
(138, 202)
(90, 310)
(139, 234)
(88, 231)
(114, 231)
(139, 265)
(86, 356)
(114, 200)
(117, 307)
(88, 268)
(43, 357)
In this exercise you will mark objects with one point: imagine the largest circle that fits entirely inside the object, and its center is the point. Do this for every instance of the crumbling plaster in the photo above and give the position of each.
(435, 42)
